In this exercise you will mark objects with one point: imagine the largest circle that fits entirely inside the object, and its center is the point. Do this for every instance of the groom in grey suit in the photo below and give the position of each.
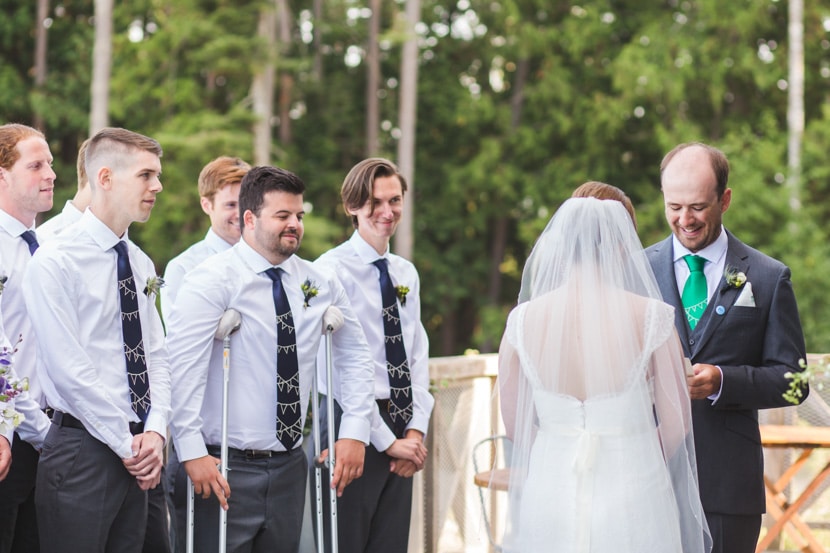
(741, 338)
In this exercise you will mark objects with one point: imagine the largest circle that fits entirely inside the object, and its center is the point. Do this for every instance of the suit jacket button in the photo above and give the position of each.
(691, 341)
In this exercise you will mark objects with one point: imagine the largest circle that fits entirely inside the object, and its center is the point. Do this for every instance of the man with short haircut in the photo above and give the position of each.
(92, 292)
(736, 314)
(219, 197)
(26, 188)
(374, 513)
(74, 208)
(282, 300)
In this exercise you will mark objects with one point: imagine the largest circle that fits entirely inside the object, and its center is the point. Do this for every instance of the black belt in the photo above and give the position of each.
(215, 450)
(60, 418)
(48, 411)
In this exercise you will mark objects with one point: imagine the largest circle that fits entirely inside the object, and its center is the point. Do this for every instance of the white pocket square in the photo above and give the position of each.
(746, 299)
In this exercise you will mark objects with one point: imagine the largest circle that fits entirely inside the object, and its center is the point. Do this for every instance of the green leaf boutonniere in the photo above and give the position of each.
(310, 290)
(734, 277)
(816, 372)
(154, 284)
(401, 291)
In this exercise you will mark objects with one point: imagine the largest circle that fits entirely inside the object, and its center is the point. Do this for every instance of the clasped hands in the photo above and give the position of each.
(705, 382)
(147, 459)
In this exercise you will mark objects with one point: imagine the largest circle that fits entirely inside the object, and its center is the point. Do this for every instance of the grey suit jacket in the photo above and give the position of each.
(754, 347)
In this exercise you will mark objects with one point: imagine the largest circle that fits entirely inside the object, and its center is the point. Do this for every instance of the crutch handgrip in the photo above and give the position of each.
(332, 319)
(228, 324)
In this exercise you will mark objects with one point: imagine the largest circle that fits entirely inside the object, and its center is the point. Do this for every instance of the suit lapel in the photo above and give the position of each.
(667, 282)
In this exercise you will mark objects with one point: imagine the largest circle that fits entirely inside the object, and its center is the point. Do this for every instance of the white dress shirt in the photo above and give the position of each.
(71, 291)
(54, 226)
(352, 263)
(235, 279)
(34, 426)
(184, 263)
(14, 258)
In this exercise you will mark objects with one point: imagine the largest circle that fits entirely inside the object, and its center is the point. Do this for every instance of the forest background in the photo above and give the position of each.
(518, 102)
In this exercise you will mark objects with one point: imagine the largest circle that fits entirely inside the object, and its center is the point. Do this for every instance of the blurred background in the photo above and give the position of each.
(495, 110)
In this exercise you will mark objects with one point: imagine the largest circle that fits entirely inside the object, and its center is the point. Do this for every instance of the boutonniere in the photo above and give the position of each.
(3, 279)
(310, 290)
(815, 373)
(401, 291)
(734, 278)
(154, 284)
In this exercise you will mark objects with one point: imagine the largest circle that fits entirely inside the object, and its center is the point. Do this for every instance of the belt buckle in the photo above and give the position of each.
(258, 453)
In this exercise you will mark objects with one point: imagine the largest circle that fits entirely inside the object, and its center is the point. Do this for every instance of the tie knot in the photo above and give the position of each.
(275, 274)
(121, 249)
(381, 264)
(30, 238)
(695, 263)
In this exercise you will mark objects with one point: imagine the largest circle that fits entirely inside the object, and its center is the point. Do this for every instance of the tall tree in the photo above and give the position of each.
(101, 66)
(262, 89)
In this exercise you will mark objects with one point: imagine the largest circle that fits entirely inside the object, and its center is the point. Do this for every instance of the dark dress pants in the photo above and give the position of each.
(18, 524)
(374, 512)
(86, 500)
(265, 508)
(734, 533)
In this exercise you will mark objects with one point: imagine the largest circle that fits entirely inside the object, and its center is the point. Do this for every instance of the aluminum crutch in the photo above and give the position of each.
(332, 321)
(228, 324)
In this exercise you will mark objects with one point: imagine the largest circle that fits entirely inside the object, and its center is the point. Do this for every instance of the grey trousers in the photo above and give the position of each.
(265, 509)
(86, 500)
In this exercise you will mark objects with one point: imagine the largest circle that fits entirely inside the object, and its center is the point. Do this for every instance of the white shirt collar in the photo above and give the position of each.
(713, 253)
(12, 225)
(100, 233)
(367, 253)
(257, 262)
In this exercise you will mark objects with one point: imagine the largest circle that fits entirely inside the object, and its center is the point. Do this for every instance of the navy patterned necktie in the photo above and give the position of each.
(137, 377)
(30, 238)
(397, 364)
(289, 427)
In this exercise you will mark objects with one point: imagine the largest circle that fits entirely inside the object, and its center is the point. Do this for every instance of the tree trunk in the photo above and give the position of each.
(373, 80)
(795, 102)
(41, 46)
(262, 89)
(284, 23)
(317, 67)
(407, 117)
(101, 67)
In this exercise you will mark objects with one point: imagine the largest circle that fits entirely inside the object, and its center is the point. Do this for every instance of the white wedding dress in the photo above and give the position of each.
(594, 397)
(596, 478)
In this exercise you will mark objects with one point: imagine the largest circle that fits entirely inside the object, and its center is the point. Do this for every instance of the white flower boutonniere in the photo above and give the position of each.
(401, 291)
(154, 284)
(810, 372)
(310, 290)
(734, 278)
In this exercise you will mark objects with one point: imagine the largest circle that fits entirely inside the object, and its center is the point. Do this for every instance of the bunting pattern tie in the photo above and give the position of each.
(137, 377)
(695, 293)
(30, 238)
(289, 427)
(397, 364)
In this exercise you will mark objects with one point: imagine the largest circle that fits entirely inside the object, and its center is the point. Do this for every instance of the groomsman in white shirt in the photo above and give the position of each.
(92, 292)
(282, 300)
(219, 184)
(374, 512)
(74, 208)
(26, 186)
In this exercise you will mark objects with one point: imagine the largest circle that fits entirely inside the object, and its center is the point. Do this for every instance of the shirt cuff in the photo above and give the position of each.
(716, 397)
(191, 447)
(355, 428)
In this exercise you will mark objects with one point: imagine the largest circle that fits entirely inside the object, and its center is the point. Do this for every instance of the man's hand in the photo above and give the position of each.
(403, 468)
(348, 463)
(408, 449)
(147, 459)
(5, 457)
(205, 475)
(705, 382)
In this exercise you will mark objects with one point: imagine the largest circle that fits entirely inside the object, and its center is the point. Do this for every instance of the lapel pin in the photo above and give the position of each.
(720, 310)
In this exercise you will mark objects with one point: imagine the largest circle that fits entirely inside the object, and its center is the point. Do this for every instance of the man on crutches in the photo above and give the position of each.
(282, 301)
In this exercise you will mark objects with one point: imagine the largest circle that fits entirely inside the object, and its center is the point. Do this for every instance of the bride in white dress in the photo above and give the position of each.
(594, 397)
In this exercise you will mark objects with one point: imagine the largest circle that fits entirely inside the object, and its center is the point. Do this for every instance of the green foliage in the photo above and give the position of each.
(519, 102)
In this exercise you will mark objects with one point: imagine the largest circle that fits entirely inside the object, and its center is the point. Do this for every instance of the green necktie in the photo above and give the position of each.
(695, 294)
